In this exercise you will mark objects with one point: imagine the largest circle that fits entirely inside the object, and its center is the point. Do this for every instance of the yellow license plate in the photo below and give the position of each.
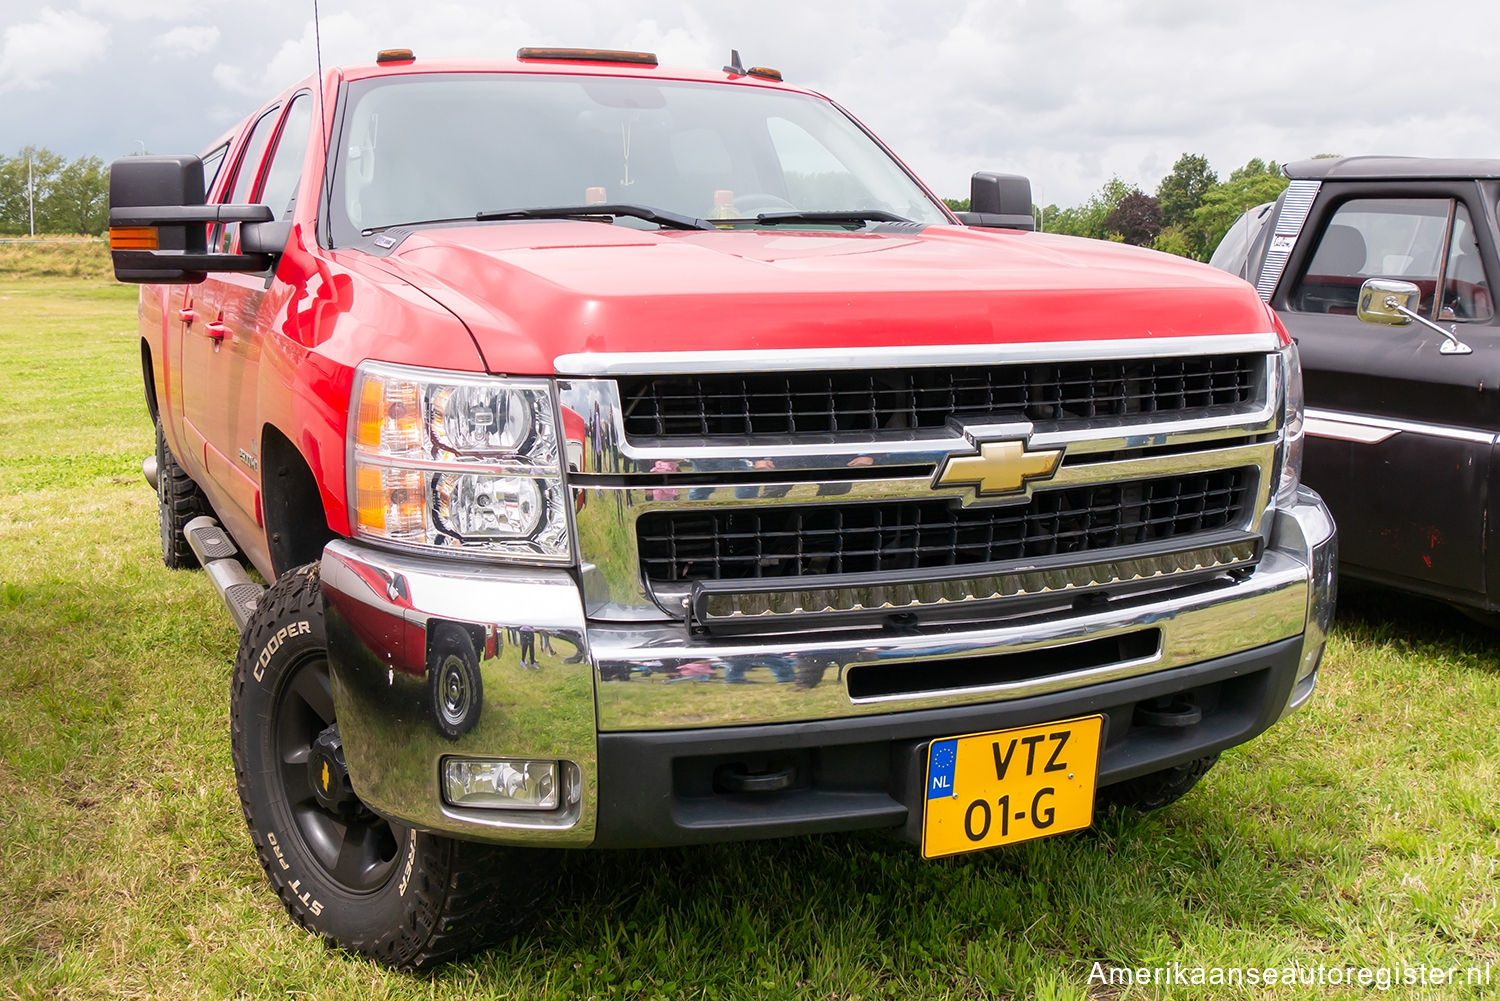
(1000, 788)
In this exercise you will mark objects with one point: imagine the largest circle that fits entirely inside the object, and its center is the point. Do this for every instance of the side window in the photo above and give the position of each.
(211, 164)
(285, 170)
(1466, 292)
(1413, 239)
(245, 174)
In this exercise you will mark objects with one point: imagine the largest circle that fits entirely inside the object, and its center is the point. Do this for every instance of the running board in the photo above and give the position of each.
(212, 546)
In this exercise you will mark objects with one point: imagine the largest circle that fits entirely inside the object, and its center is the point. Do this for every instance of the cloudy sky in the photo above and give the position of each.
(1067, 92)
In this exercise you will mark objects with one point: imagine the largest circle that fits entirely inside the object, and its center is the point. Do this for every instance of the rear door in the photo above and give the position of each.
(1399, 435)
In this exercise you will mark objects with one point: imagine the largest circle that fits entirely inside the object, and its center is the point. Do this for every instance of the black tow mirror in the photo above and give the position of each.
(158, 222)
(999, 201)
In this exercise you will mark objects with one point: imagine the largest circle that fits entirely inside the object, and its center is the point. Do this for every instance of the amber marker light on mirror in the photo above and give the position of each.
(134, 238)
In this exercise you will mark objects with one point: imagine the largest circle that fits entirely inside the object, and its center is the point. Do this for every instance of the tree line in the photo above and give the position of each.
(1188, 214)
(66, 196)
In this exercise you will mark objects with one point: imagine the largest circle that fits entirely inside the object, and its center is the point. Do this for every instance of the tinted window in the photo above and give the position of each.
(285, 170)
(245, 174)
(1466, 292)
(211, 164)
(1420, 240)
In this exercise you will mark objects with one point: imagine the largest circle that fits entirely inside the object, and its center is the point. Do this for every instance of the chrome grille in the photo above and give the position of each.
(866, 401)
(859, 538)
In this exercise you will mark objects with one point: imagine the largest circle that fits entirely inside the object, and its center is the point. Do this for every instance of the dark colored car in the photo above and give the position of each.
(1402, 419)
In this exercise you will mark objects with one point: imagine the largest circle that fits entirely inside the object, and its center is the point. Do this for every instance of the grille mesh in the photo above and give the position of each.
(801, 540)
(865, 401)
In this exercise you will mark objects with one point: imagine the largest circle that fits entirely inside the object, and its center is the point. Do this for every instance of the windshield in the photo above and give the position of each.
(450, 146)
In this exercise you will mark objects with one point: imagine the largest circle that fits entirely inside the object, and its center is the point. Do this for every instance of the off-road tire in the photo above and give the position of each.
(433, 899)
(1158, 789)
(178, 501)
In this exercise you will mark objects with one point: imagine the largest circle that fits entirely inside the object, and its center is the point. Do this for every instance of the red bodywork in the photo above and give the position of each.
(234, 357)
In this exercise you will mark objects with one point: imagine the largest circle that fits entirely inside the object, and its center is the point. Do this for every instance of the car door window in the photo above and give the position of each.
(285, 169)
(1427, 241)
(1466, 291)
(245, 176)
(211, 164)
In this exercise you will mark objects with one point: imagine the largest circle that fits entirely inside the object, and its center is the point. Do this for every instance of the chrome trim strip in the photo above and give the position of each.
(804, 359)
(1343, 431)
(833, 490)
(1295, 206)
(645, 672)
(1394, 425)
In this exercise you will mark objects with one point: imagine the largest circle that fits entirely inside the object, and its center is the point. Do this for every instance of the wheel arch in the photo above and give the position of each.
(292, 504)
(148, 375)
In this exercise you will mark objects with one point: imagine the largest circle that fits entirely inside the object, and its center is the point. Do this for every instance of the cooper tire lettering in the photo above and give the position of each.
(302, 628)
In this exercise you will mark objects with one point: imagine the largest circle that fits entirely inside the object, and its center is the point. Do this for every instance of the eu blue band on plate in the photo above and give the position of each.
(942, 759)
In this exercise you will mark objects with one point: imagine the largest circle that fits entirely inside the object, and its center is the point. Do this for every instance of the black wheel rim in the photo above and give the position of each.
(356, 848)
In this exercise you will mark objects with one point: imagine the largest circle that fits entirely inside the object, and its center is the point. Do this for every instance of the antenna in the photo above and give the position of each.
(323, 126)
(322, 112)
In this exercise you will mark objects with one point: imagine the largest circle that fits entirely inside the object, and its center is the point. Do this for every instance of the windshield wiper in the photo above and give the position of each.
(836, 217)
(661, 217)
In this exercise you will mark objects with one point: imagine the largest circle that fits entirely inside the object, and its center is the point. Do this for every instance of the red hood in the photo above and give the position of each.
(530, 292)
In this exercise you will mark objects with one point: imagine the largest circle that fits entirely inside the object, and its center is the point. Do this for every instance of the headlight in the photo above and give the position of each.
(456, 461)
(1291, 425)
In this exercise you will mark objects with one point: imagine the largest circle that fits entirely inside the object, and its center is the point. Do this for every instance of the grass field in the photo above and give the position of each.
(1364, 831)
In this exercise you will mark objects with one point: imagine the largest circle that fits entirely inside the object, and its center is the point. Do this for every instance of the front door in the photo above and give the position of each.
(1399, 435)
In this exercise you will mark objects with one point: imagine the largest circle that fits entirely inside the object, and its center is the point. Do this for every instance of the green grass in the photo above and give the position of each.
(1364, 830)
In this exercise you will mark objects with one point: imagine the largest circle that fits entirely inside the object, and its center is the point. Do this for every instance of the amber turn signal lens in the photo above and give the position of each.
(390, 417)
(390, 503)
(134, 238)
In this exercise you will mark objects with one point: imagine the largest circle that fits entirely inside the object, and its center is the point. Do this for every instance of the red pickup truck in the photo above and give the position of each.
(646, 457)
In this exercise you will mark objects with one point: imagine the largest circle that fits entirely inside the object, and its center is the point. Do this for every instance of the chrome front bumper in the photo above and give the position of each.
(556, 686)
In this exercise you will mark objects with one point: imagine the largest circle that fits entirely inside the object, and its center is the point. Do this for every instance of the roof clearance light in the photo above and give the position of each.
(764, 72)
(587, 56)
(394, 56)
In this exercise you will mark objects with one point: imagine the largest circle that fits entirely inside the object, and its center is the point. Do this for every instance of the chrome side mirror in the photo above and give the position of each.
(1389, 302)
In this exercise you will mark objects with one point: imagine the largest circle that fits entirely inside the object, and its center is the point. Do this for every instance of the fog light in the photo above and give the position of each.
(500, 784)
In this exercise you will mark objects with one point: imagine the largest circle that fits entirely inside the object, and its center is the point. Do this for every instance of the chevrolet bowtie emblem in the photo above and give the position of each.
(1000, 467)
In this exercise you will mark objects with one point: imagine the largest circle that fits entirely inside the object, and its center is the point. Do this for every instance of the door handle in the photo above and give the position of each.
(186, 315)
(216, 329)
